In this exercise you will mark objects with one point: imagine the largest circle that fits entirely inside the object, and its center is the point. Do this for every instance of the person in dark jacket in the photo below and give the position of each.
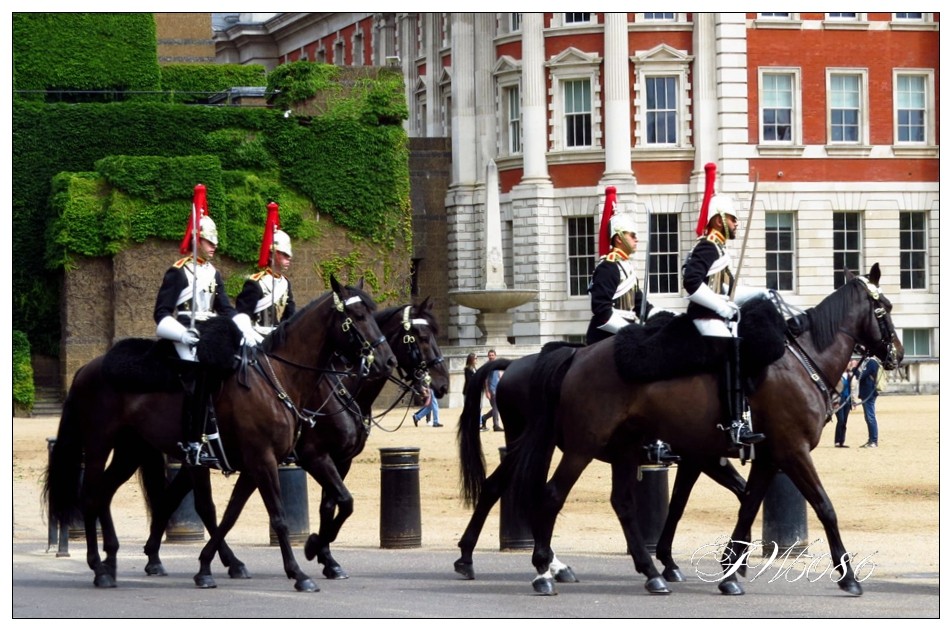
(867, 376)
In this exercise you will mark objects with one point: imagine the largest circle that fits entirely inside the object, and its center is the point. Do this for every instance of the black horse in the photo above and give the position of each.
(515, 408)
(256, 420)
(590, 411)
(333, 436)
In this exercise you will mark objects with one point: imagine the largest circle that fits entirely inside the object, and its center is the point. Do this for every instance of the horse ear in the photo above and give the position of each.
(334, 285)
(427, 305)
(848, 274)
(360, 284)
(875, 274)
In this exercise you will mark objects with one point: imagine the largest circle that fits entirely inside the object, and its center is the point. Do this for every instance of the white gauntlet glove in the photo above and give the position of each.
(616, 322)
(704, 296)
(172, 329)
(742, 295)
(251, 336)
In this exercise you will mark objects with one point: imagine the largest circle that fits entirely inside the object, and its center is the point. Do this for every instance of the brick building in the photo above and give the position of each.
(835, 113)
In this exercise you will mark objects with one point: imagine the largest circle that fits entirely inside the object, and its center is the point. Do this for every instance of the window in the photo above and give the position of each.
(913, 17)
(659, 17)
(513, 114)
(515, 22)
(776, 101)
(445, 23)
(662, 106)
(664, 273)
(842, 16)
(845, 99)
(661, 110)
(577, 100)
(779, 251)
(846, 245)
(582, 255)
(775, 15)
(338, 53)
(910, 108)
(577, 18)
(912, 237)
(916, 341)
(358, 49)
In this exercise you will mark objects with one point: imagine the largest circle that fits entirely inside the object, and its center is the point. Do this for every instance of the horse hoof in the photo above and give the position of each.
(311, 547)
(544, 586)
(565, 576)
(852, 588)
(156, 569)
(464, 569)
(204, 581)
(657, 586)
(730, 587)
(335, 572)
(306, 585)
(104, 580)
(674, 574)
(239, 572)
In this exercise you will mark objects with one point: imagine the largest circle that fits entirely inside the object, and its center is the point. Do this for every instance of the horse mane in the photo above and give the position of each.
(827, 316)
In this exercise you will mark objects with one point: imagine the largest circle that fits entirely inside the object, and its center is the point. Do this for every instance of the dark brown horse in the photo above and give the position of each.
(334, 435)
(515, 408)
(257, 419)
(590, 411)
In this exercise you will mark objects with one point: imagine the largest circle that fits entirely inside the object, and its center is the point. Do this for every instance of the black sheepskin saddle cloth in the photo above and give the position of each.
(152, 365)
(670, 346)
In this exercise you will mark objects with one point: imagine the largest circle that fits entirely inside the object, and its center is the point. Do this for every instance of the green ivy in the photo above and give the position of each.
(191, 82)
(24, 394)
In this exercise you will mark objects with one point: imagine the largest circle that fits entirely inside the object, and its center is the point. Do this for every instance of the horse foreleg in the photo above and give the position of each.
(684, 481)
(120, 469)
(270, 489)
(623, 478)
(239, 496)
(91, 507)
(491, 492)
(762, 472)
(336, 506)
(803, 474)
(543, 520)
(205, 508)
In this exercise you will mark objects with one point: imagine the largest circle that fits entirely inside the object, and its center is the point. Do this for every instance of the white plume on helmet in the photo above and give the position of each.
(623, 222)
(208, 230)
(282, 243)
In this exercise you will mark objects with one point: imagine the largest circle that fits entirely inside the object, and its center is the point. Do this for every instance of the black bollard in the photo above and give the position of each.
(515, 532)
(293, 480)
(400, 521)
(784, 517)
(184, 525)
(653, 499)
(58, 532)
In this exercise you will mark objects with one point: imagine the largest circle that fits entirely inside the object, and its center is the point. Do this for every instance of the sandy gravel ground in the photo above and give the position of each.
(886, 499)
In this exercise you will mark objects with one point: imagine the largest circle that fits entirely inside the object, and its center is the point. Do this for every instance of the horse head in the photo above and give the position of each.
(876, 331)
(422, 360)
(358, 333)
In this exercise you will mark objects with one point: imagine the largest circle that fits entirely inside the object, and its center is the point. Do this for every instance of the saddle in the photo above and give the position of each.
(670, 346)
(138, 365)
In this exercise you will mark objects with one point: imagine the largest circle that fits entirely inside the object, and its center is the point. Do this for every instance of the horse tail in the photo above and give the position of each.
(533, 450)
(61, 486)
(471, 458)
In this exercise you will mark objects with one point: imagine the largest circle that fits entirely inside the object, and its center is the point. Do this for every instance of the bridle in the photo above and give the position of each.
(886, 329)
(355, 337)
(421, 371)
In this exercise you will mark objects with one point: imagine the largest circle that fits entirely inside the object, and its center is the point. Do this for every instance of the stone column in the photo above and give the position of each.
(617, 100)
(465, 143)
(486, 109)
(534, 100)
(705, 108)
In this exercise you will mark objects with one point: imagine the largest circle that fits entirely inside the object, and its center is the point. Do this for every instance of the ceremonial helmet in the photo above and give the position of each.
(282, 243)
(208, 230)
(623, 222)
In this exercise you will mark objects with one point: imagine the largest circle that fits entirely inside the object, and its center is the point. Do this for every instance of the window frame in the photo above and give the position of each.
(573, 65)
(915, 235)
(860, 146)
(780, 271)
(662, 60)
(795, 114)
(911, 349)
(508, 75)
(930, 141)
(579, 267)
(838, 254)
(670, 254)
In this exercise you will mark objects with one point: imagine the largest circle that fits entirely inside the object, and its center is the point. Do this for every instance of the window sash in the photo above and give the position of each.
(780, 251)
(514, 120)
(916, 342)
(912, 239)
(911, 99)
(777, 99)
(577, 104)
(664, 266)
(846, 244)
(581, 254)
(661, 111)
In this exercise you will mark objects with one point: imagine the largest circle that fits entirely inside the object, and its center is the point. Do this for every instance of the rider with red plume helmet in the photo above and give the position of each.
(708, 281)
(267, 297)
(192, 291)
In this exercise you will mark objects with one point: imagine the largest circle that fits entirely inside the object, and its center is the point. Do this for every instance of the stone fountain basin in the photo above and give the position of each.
(492, 300)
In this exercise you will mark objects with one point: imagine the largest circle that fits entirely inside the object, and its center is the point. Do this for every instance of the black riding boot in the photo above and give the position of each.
(737, 426)
(194, 412)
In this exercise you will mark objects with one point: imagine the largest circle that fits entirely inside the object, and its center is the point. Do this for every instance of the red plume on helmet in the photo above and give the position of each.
(199, 210)
(604, 233)
(711, 170)
(271, 225)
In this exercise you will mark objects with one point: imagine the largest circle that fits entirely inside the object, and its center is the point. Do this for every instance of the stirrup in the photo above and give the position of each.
(659, 452)
(191, 453)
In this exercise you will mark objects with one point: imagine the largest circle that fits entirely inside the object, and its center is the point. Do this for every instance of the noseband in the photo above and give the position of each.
(886, 329)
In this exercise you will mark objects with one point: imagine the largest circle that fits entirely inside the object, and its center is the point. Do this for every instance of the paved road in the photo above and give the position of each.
(420, 583)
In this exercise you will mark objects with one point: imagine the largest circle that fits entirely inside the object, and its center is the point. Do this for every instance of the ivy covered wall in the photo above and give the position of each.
(90, 179)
